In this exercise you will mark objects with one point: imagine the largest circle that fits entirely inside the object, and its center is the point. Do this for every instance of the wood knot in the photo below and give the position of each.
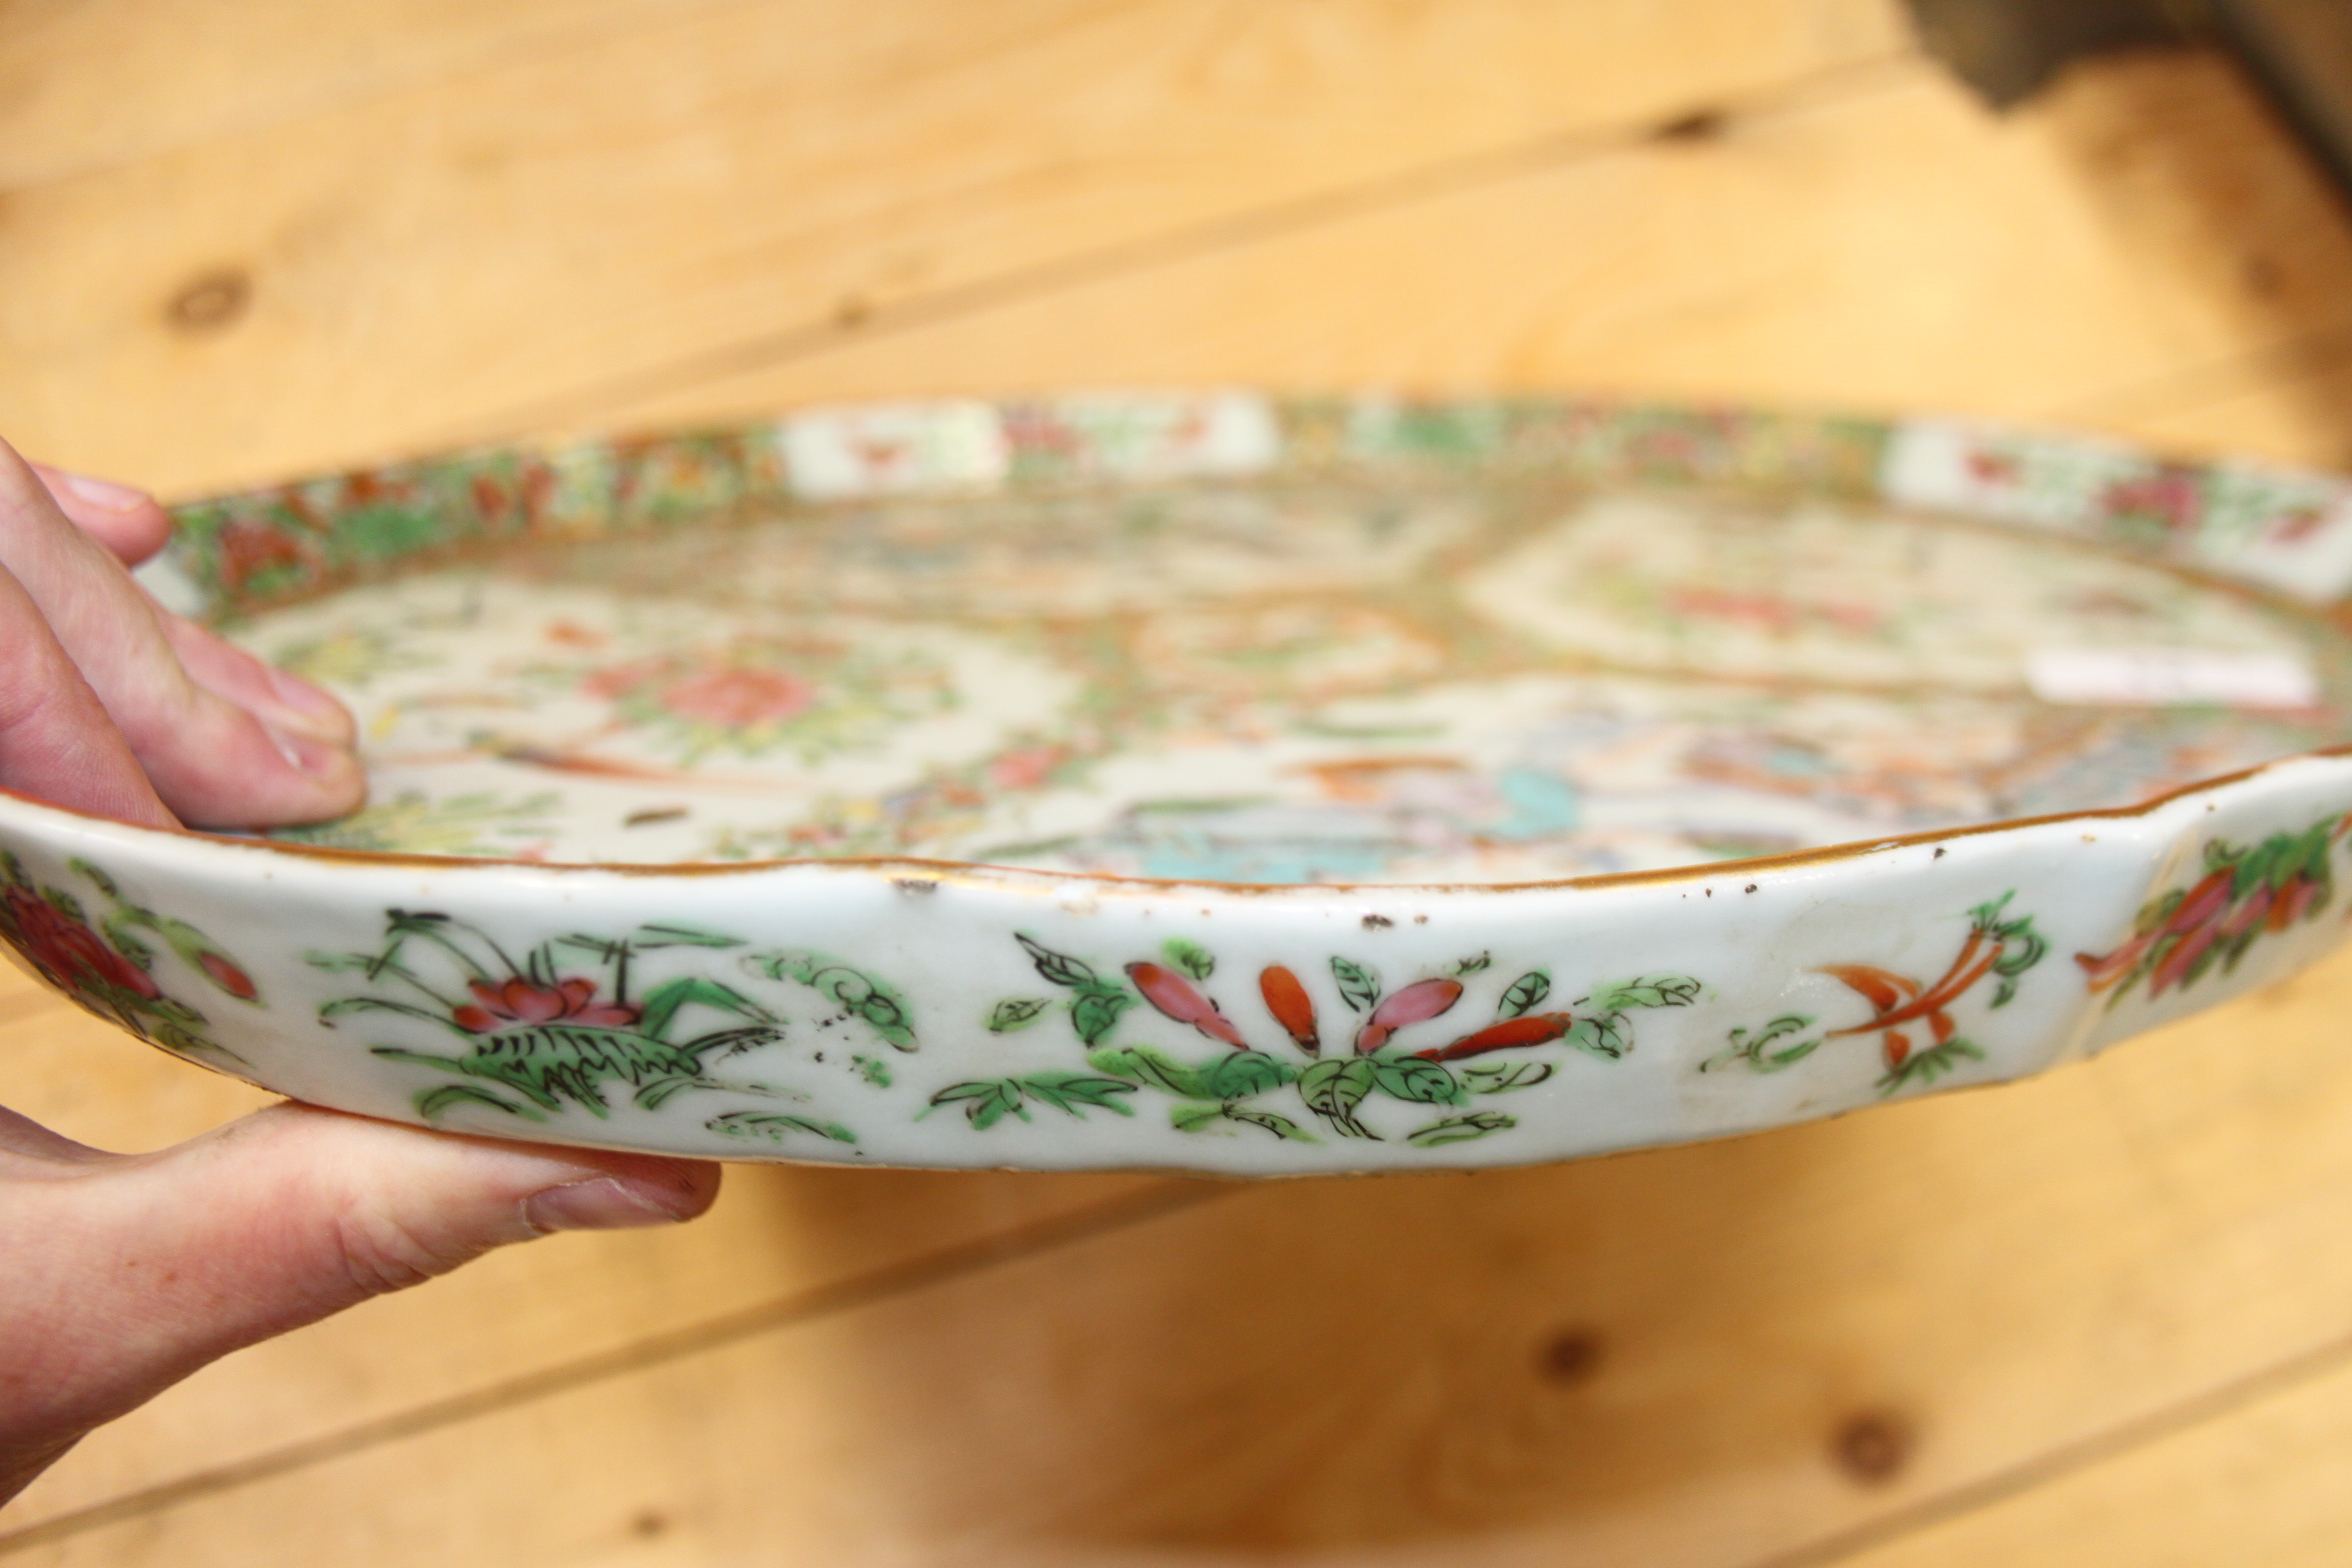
(210, 301)
(1692, 129)
(1572, 1355)
(1873, 1447)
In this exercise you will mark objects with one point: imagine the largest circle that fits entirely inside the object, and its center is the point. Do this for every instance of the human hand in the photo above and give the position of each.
(112, 705)
(121, 1274)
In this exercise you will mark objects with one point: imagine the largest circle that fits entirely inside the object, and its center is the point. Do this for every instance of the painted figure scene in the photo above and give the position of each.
(1237, 666)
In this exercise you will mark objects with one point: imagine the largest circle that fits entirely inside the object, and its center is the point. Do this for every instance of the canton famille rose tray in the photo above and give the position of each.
(1238, 785)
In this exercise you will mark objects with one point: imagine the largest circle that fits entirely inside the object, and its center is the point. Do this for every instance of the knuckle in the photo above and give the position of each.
(379, 1252)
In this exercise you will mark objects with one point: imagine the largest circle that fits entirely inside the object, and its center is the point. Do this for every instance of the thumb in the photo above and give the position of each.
(128, 1273)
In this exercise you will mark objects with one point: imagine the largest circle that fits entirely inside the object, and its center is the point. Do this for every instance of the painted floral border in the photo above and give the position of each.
(1313, 1053)
(2288, 531)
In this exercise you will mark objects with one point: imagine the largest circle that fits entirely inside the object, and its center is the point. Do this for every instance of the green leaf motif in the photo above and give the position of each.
(1015, 1013)
(1195, 1118)
(1154, 1069)
(1072, 1091)
(1057, 968)
(1242, 1074)
(1757, 1049)
(1333, 1090)
(1503, 1080)
(1603, 1035)
(664, 1002)
(1925, 1067)
(176, 1036)
(1419, 1083)
(1236, 1076)
(1655, 991)
(433, 1104)
(652, 937)
(1280, 1126)
(1096, 1012)
(1199, 1118)
(985, 1102)
(989, 1101)
(1357, 986)
(877, 1002)
(119, 937)
(1190, 957)
(1525, 994)
(775, 1127)
(1460, 1129)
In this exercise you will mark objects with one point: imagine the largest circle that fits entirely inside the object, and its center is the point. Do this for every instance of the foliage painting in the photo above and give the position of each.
(2245, 893)
(563, 1026)
(108, 964)
(1320, 1071)
(1999, 947)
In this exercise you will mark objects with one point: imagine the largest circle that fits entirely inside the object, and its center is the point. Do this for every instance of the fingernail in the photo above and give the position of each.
(103, 492)
(304, 698)
(600, 1203)
(307, 754)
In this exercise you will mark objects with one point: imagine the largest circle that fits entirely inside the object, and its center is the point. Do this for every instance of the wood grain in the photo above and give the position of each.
(1889, 246)
(454, 257)
(2259, 1482)
(779, 1240)
(92, 84)
(1699, 1356)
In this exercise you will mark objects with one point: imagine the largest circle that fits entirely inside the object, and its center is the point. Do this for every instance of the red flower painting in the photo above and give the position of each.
(498, 1005)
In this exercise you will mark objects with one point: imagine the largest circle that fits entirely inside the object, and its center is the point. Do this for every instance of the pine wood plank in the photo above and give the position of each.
(1890, 249)
(448, 259)
(1699, 1356)
(2259, 1483)
(89, 84)
(90, 1081)
(2292, 404)
(777, 1237)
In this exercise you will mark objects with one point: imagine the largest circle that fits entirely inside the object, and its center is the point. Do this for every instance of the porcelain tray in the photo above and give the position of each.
(1214, 782)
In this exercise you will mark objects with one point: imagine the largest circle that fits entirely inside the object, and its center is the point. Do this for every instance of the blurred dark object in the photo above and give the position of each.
(2300, 51)
(2007, 49)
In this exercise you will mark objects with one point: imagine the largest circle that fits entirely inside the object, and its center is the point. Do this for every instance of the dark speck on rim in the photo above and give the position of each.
(914, 884)
(1375, 922)
(1939, 854)
(1751, 887)
(651, 815)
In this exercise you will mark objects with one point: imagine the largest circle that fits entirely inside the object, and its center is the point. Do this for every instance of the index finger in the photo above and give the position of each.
(129, 522)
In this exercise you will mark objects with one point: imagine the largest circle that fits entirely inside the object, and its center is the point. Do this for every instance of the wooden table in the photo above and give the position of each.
(2105, 1316)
